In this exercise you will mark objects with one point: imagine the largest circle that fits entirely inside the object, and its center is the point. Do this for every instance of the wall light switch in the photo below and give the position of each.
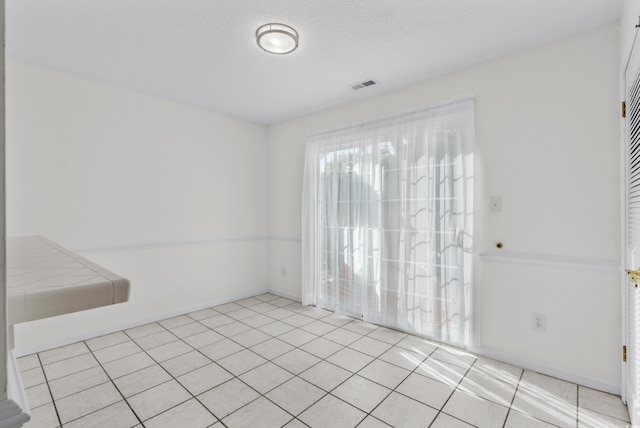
(495, 204)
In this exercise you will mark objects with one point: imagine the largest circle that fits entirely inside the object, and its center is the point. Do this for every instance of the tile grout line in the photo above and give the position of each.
(46, 379)
(513, 399)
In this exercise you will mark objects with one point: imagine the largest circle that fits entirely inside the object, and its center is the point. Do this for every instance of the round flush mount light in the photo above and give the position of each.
(277, 39)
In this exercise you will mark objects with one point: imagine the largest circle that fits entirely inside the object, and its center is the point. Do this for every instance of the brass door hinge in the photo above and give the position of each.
(624, 354)
(624, 109)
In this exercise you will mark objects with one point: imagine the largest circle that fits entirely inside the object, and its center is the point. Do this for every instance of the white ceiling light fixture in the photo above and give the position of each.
(277, 39)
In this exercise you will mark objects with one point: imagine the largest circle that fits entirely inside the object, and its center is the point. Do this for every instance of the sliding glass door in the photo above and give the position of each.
(388, 221)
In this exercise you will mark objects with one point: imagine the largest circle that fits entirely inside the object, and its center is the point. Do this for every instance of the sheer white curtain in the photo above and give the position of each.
(388, 221)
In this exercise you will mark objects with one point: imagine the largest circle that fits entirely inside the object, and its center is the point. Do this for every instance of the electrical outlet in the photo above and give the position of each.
(539, 322)
(283, 271)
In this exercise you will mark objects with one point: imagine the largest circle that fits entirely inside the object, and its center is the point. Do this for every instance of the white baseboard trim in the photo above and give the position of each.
(19, 352)
(14, 411)
(552, 371)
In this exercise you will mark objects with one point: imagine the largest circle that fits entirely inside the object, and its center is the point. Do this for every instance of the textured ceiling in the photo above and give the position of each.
(203, 52)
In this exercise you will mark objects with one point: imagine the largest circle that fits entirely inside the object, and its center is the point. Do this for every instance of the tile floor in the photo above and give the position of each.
(269, 362)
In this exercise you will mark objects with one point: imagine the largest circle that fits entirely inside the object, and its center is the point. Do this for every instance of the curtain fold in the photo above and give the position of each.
(388, 221)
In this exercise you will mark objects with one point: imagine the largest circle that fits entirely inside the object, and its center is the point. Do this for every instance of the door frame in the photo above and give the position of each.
(624, 256)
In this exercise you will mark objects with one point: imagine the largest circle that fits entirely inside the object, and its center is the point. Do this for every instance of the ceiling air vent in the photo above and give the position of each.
(364, 84)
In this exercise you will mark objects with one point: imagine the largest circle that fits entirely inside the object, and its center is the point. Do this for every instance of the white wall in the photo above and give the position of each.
(104, 170)
(547, 143)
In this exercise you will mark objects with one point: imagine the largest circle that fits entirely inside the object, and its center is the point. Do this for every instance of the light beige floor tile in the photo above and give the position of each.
(144, 330)
(326, 375)
(400, 411)
(107, 340)
(420, 345)
(546, 398)
(203, 314)
(498, 370)
(88, 401)
(371, 422)
(279, 313)
(227, 398)
(297, 337)
(227, 307)
(489, 388)
(250, 338)
(296, 307)
(318, 327)
(426, 390)
(601, 402)
(370, 346)
(271, 348)
(200, 340)
(32, 377)
(136, 382)
(275, 328)
(63, 353)
(475, 410)
(168, 351)
(126, 365)
(316, 312)
(519, 420)
(185, 363)
(204, 378)
(388, 335)
(190, 414)
(28, 362)
(297, 320)
(117, 415)
(295, 423)
(455, 356)
(221, 349)
(114, 352)
(266, 297)
(158, 399)
(69, 366)
(342, 336)
(350, 360)
(590, 419)
(337, 320)
(441, 371)
(77, 382)
(259, 413)
(295, 395)
(241, 314)
(332, 412)
(445, 421)
(156, 339)
(232, 329)
(189, 330)
(321, 347)
(241, 362)
(296, 361)
(361, 393)
(174, 322)
(43, 417)
(282, 301)
(38, 395)
(384, 373)
(257, 320)
(360, 327)
(248, 302)
(402, 357)
(263, 308)
(217, 321)
(265, 377)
